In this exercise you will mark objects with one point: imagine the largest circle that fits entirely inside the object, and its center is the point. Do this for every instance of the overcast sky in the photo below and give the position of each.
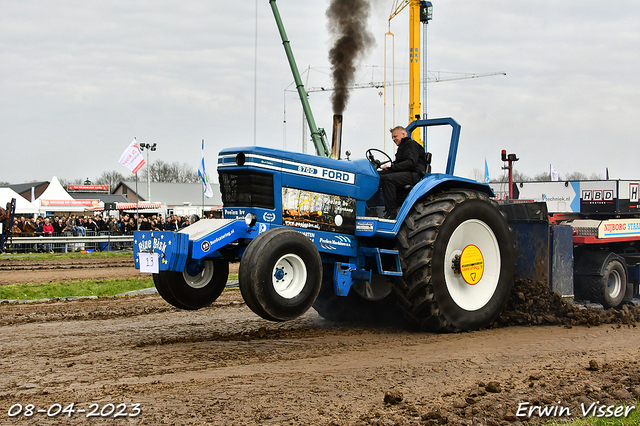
(79, 80)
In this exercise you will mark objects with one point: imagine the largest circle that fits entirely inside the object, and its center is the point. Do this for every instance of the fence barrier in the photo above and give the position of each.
(66, 242)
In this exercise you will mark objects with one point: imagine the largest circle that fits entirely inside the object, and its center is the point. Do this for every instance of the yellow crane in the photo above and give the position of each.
(419, 12)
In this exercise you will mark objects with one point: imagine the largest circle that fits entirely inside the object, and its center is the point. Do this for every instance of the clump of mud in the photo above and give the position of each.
(533, 303)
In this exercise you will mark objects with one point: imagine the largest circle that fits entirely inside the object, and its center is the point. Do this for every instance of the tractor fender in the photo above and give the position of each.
(438, 182)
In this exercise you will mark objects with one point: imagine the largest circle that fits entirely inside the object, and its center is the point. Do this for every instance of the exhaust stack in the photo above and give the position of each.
(336, 142)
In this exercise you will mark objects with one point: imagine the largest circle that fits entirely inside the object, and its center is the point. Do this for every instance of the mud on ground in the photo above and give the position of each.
(223, 365)
(20, 271)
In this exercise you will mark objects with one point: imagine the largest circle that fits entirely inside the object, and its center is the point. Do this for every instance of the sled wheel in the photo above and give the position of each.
(199, 285)
(162, 281)
(352, 307)
(608, 289)
(458, 262)
(614, 284)
(280, 274)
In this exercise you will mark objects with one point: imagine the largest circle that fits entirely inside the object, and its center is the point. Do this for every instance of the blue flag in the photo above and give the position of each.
(486, 172)
(208, 191)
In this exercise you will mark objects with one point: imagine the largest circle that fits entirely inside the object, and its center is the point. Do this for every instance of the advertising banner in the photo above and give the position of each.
(74, 203)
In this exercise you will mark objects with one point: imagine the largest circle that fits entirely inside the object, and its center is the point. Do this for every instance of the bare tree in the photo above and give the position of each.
(66, 182)
(161, 171)
(476, 175)
(517, 177)
(111, 178)
(544, 177)
(576, 176)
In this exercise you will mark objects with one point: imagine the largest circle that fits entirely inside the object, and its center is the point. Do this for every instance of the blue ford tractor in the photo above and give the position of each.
(299, 226)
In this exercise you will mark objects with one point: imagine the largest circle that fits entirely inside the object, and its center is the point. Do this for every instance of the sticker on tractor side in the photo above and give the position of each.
(269, 216)
(471, 264)
(318, 211)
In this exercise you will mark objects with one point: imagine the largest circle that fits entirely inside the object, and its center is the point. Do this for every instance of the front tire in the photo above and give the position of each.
(458, 262)
(280, 274)
(198, 286)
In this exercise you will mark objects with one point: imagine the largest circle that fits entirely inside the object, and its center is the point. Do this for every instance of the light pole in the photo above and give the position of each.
(426, 14)
(148, 147)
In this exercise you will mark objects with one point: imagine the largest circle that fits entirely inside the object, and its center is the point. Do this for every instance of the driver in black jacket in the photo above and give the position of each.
(407, 169)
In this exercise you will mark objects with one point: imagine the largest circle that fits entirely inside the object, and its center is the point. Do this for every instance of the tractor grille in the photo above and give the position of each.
(246, 189)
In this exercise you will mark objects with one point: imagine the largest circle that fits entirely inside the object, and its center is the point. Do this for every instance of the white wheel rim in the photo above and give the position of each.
(466, 296)
(202, 279)
(614, 284)
(289, 276)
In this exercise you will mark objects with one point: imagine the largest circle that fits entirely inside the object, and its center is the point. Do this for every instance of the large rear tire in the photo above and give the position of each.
(199, 285)
(280, 274)
(458, 262)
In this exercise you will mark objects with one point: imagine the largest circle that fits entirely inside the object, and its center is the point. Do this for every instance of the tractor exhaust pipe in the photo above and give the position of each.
(336, 142)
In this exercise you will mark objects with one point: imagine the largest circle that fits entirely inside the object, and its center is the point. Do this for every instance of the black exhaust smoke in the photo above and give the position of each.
(347, 23)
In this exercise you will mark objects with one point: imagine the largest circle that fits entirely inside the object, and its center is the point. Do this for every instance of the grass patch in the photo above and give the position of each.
(109, 287)
(101, 288)
(632, 420)
(74, 255)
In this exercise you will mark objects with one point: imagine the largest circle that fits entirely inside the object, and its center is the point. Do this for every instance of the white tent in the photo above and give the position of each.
(56, 199)
(22, 206)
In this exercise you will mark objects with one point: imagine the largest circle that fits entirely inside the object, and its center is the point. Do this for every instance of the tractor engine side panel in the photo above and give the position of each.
(296, 190)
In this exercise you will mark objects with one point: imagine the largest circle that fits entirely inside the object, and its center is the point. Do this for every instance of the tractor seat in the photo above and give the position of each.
(404, 190)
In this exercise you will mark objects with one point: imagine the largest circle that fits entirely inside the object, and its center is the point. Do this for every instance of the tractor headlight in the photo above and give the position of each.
(250, 219)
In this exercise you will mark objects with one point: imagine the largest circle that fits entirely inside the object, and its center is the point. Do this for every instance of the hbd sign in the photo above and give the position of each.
(597, 195)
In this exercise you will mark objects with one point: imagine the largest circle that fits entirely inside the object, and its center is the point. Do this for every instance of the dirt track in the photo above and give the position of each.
(224, 365)
(57, 270)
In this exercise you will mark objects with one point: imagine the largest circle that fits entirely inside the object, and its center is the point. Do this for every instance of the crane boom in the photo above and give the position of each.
(398, 6)
(437, 77)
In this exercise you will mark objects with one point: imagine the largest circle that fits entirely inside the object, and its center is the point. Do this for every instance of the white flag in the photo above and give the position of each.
(132, 158)
(208, 191)
(554, 174)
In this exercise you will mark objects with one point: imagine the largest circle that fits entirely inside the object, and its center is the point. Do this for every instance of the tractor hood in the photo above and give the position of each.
(356, 179)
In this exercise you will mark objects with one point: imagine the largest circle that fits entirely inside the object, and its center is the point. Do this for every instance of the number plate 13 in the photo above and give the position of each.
(149, 262)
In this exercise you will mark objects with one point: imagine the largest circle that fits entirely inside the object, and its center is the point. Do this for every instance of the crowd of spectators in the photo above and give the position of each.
(78, 225)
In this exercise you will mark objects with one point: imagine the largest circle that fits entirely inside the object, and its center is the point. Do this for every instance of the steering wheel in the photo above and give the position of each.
(377, 163)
